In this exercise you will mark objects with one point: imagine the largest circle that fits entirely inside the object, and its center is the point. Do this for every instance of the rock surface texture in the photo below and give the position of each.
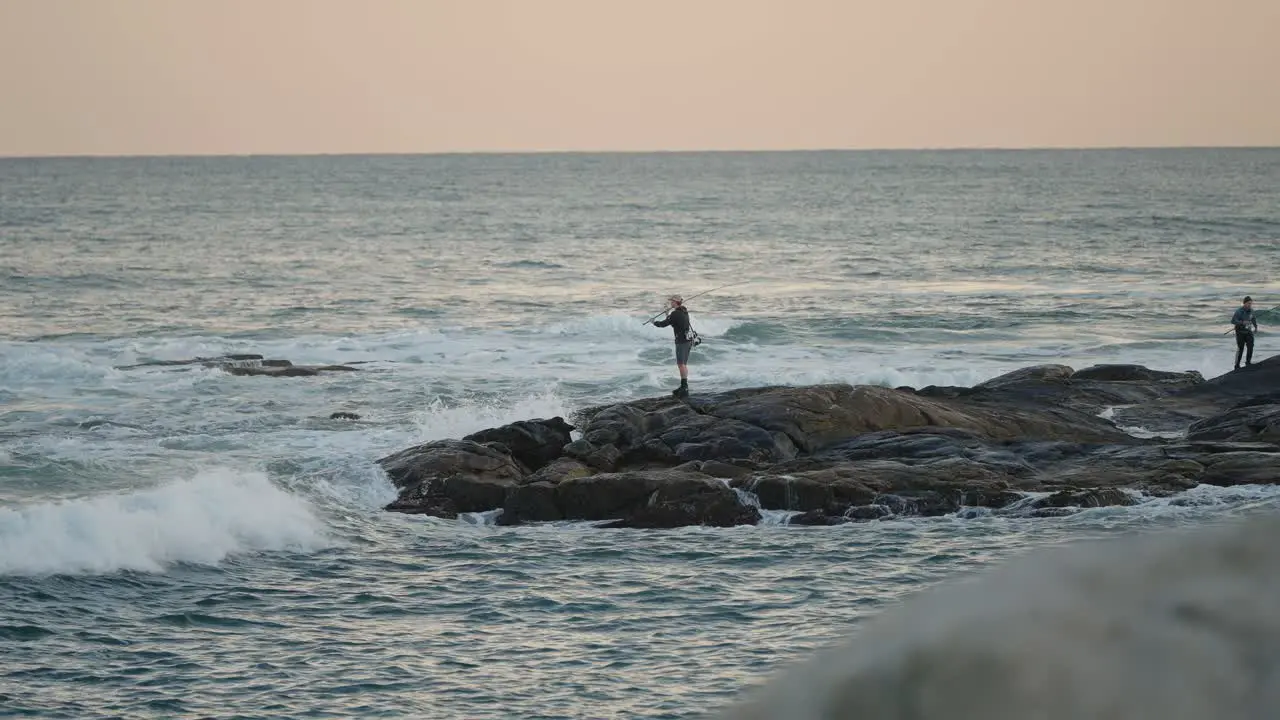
(1039, 440)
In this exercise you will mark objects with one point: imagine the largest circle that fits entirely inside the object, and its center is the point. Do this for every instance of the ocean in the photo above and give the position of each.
(177, 541)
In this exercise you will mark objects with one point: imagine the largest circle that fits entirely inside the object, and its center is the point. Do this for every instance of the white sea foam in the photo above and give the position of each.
(1174, 626)
(204, 519)
(440, 420)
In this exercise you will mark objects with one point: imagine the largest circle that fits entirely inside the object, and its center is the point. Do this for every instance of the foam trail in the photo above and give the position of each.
(202, 520)
(1170, 626)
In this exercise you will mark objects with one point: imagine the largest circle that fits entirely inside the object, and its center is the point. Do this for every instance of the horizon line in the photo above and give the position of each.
(709, 151)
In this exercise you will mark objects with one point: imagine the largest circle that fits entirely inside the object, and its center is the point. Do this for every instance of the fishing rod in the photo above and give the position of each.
(1256, 314)
(704, 292)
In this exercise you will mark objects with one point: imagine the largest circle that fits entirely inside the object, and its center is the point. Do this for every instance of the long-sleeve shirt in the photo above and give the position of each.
(679, 322)
(1243, 318)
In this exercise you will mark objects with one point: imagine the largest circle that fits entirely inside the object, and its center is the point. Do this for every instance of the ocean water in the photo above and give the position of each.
(179, 542)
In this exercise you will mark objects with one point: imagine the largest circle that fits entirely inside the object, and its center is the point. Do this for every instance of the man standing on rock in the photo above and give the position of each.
(677, 316)
(1246, 324)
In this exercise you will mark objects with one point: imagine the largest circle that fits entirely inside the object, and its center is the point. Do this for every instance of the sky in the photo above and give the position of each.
(163, 77)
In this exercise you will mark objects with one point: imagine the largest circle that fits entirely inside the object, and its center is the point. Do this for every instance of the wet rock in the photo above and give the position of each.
(832, 490)
(1241, 468)
(533, 442)
(1211, 397)
(665, 498)
(1136, 373)
(344, 416)
(1266, 399)
(1248, 423)
(1028, 375)
(817, 518)
(604, 458)
(248, 364)
(530, 502)
(691, 500)
(281, 368)
(718, 469)
(447, 477)
(874, 511)
(559, 470)
(220, 359)
(1086, 498)
(672, 434)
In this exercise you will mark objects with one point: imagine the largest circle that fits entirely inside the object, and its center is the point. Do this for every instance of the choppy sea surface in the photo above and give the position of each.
(176, 541)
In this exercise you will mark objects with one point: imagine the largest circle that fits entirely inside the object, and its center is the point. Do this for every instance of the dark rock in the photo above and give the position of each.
(868, 512)
(607, 496)
(831, 491)
(817, 517)
(447, 477)
(1028, 375)
(1135, 373)
(948, 392)
(559, 470)
(718, 469)
(1267, 399)
(282, 368)
(653, 499)
(605, 458)
(705, 437)
(1241, 468)
(530, 502)
(221, 359)
(533, 442)
(1206, 399)
(344, 416)
(1203, 447)
(822, 416)
(1248, 423)
(653, 454)
(1085, 498)
(672, 434)
(692, 500)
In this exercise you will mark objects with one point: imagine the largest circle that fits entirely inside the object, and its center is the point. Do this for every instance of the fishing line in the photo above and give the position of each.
(704, 292)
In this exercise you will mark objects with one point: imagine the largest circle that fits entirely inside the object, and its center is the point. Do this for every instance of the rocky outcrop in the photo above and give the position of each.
(1035, 441)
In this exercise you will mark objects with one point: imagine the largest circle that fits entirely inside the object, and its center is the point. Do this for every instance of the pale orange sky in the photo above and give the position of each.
(354, 76)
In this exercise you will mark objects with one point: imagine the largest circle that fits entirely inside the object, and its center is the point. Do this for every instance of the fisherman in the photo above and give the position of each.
(1246, 324)
(677, 316)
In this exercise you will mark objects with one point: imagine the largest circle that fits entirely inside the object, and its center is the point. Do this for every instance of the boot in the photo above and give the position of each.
(683, 390)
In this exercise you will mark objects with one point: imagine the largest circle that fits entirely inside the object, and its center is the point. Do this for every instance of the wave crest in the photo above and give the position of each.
(203, 520)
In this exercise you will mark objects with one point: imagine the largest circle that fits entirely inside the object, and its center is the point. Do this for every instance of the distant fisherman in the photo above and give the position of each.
(677, 316)
(1246, 324)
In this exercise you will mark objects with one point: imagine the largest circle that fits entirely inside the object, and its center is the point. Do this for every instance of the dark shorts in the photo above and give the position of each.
(682, 352)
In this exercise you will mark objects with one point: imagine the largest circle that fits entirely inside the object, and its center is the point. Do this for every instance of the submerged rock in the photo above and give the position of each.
(249, 364)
